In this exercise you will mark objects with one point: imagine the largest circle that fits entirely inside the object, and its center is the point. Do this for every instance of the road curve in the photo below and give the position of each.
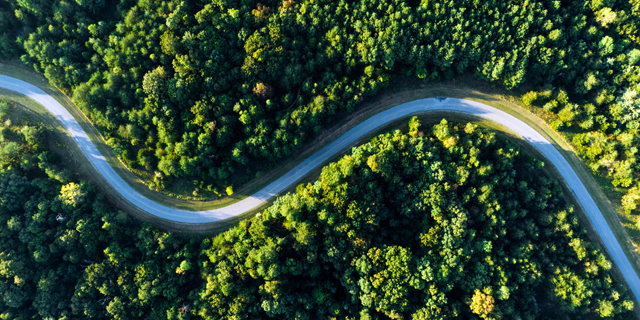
(347, 139)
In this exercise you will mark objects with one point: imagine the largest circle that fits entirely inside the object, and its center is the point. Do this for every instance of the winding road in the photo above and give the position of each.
(347, 139)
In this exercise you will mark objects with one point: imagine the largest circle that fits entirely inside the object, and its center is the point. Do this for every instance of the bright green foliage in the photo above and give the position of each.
(209, 87)
(72, 193)
(385, 279)
(211, 90)
(65, 253)
(481, 304)
(414, 126)
(410, 241)
(438, 230)
(217, 91)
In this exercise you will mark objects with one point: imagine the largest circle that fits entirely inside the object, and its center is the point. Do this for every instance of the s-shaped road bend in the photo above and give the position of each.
(347, 139)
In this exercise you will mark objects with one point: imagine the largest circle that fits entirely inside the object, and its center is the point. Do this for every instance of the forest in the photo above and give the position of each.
(216, 91)
(476, 230)
(211, 94)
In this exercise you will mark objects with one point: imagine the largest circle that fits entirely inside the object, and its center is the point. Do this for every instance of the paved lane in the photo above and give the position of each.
(350, 137)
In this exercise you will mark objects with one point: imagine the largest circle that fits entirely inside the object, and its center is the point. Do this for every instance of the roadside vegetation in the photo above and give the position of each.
(201, 98)
(476, 230)
(210, 94)
(195, 97)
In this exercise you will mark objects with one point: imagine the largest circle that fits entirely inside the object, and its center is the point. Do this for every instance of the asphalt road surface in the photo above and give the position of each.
(344, 141)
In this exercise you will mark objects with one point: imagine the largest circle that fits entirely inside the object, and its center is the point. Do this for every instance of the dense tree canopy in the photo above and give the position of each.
(473, 230)
(65, 253)
(200, 89)
(215, 90)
